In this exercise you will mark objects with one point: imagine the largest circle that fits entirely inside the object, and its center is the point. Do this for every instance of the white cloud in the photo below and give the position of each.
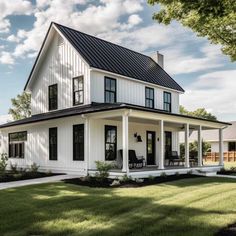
(214, 91)
(94, 19)
(6, 58)
(8, 8)
(134, 19)
(13, 38)
(5, 119)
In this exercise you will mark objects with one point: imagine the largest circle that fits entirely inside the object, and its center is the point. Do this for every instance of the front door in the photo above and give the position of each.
(151, 137)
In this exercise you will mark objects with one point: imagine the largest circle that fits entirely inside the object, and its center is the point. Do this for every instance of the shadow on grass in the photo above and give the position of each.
(72, 210)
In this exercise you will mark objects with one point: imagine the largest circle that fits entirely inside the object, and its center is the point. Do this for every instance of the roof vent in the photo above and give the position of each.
(158, 58)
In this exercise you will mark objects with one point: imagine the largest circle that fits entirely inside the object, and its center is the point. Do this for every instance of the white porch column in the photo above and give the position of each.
(221, 153)
(125, 142)
(200, 145)
(87, 142)
(187, 145)
(161, 147)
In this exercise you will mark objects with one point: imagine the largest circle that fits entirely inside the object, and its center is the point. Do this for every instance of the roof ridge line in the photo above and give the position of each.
(142, 54)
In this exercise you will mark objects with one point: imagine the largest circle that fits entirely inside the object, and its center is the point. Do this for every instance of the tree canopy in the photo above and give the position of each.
(20, 106)
(213, 19)
(200, 112)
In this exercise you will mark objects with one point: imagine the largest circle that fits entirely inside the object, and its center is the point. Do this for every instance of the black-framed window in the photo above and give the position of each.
(78, 142)
(78, 90)
(149, 97)
(232, 146)
(167, 101)
(17, 144)
(53, 143)
(110, 143)
(110, 90)
(52, 97)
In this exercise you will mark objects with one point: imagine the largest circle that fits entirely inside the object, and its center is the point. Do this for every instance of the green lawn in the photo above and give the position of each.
(190, 207)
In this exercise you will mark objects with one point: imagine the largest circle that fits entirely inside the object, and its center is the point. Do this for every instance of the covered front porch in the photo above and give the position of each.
(154, 138)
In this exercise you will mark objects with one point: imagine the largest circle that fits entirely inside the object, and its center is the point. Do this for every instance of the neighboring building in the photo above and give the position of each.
(212, 137)
(92, 98)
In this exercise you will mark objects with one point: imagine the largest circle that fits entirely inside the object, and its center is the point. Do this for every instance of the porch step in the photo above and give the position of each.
(204, 173)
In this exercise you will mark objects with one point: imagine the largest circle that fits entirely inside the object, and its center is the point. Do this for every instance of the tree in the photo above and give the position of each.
(200, 113)
(193, 149)
(20, 106)
(214, 19)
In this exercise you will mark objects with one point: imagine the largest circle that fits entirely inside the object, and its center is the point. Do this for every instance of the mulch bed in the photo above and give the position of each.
(229, 231)
(226, 172)
(94, 182)
(9, 177)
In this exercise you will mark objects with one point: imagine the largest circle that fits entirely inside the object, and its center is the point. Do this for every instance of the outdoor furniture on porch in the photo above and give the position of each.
(134, 160)
(173, 158)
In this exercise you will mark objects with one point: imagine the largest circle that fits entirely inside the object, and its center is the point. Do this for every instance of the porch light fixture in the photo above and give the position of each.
(138, 137)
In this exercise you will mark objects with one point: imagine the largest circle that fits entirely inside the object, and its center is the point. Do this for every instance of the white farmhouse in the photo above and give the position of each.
(93, 100)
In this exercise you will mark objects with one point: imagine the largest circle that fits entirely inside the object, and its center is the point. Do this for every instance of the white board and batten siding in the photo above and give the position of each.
(60, 65)
(130, 91)
(37, 146)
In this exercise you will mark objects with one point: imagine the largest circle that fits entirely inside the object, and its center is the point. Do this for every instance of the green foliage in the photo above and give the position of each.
(151, 177)
(126, 178)
(200, 113)
(21, 106)
(103, 170)
(163, 174)
(213, 19)
(13, 168)
(34, 168)
(3, 163)
(193, 149)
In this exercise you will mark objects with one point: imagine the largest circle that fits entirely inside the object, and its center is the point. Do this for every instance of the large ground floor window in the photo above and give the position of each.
(53, 144)
(78, 142)
(17, 144)
(110, 142)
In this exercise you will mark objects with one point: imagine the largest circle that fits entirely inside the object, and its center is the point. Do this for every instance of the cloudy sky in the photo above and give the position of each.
(208, 76)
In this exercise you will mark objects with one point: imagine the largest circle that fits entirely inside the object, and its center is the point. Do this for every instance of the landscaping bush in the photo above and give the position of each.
(103, 170)
(13, 168)
(3, 163)
(34, 168)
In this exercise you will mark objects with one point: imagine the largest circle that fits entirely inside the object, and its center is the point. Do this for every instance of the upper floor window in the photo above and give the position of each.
(17, 144)
(78, 142)
(149, 97)
(52, 97)
(167, 102)
(53, 144)
(78, 90)
(110, 90)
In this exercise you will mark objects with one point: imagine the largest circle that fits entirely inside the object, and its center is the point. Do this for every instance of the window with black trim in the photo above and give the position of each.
(167, 101)
(149, 97)
(110, 90)
(78, 90)
(53, 144)
(110, 143)
(17, 144)
(52, 97)
(78, 142)
(232, 146)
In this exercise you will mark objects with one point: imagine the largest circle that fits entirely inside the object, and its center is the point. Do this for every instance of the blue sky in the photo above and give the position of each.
(207, 75)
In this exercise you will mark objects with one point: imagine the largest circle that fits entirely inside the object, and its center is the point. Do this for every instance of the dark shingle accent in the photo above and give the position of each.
(110, 57)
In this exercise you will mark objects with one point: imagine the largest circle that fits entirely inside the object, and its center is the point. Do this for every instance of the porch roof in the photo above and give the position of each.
(95, 108)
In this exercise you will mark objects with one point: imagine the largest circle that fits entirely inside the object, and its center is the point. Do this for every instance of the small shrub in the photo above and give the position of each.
(163, 174)
(139, 180)
(3, 163)
(14, 168)
(151, 177)
(34, 168)
(233, 168)
(177, 173)
(191, 172)
(126, 178)
(103, 170)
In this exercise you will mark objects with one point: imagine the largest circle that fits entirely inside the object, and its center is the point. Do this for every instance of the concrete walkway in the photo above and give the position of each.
(20, 183)
(226, 176)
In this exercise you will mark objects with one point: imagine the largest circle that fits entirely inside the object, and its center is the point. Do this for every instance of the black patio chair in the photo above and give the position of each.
(174, 157)
(134, 162)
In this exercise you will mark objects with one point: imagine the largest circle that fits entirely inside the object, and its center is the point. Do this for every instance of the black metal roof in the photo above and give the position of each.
(110, 57)
(93, 108)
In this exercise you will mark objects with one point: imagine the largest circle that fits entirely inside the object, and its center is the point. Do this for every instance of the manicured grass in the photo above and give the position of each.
(189, 207)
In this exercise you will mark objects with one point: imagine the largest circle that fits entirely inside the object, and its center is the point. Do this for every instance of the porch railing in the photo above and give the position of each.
(214, 156)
